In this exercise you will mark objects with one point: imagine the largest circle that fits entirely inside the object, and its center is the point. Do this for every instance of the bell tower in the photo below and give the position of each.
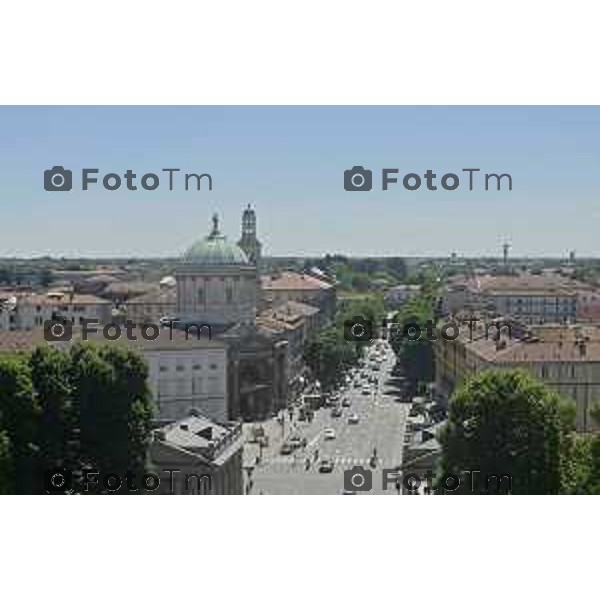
(249, 242)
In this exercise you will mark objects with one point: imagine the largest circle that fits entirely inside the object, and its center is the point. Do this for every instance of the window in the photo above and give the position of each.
(197, 367)
(214, 367)
(201, 296)
(163, 368)
(180, 368)
(229, 295)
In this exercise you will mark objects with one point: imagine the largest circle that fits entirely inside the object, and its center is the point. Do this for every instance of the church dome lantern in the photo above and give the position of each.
(215, 249)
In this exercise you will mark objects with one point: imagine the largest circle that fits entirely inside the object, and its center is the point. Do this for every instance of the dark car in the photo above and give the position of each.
(286, 449)
(326, 466)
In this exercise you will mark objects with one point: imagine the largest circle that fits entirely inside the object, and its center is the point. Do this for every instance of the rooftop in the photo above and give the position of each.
(197, 434)
(55, 298)
(214, 249)
(544, 343)
(526, 284)
(27, 340)
(291, 280)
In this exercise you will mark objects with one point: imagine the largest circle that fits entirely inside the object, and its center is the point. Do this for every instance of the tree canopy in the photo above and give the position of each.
(88, 407)
(507, 423)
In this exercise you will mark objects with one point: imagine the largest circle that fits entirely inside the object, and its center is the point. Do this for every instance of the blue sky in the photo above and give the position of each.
(288, 162)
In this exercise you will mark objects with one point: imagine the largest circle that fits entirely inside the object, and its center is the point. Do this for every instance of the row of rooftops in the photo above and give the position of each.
(535, 343)
(144, 292)
(523, 285)
(275, 320)
(293, 281)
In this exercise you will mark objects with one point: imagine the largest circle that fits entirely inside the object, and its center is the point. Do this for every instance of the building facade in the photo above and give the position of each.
(533, 299)
(279, 288)
(31, 310)
(196, 455)
(566, 358)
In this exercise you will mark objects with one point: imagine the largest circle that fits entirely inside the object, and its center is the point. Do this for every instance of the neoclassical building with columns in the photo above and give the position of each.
(217, 285)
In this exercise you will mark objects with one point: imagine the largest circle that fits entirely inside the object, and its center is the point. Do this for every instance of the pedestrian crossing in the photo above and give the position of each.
(289, 461)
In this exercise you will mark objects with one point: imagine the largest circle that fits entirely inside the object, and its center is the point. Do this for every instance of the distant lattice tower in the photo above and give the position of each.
(505, 249)
(249, 242)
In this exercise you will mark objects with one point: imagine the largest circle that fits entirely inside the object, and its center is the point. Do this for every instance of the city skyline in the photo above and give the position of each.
(288, 162)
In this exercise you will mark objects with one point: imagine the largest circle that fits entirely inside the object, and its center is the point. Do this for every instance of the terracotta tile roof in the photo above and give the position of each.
(60, 298)
(165, 296)
(290, 280)
(559, 343)
(14, 341)
(525, 285)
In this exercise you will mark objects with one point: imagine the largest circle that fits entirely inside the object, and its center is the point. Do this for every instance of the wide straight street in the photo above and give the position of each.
(379, 431)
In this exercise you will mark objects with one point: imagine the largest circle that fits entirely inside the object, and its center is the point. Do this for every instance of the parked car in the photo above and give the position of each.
(329, 433)
(326, 466)
(346, 402)
(286, 448)
(353, 419)
(297, 441)
(366, 391)
(336, 411)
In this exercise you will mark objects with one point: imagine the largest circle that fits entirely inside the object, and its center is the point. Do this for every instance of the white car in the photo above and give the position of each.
(353, 419)
(329, 433)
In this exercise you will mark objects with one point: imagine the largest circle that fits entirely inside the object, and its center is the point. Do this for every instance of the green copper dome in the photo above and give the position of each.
(214, 249)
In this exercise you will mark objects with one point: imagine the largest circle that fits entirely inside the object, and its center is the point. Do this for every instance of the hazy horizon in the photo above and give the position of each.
(288, 162)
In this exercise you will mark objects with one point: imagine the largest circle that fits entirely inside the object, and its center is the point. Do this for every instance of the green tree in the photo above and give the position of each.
(111, 398)
(506, 423)
(7, 474)
(18, 420)
(89, 407)
(415, 355)
(57, 423)
(581, 460)
(329, 356)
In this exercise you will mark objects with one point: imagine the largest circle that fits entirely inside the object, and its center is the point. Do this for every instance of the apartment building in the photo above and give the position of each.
(566, 358)
(533, 299)
(295, 322)
(279, 288)
(31, 310)
(183, 372)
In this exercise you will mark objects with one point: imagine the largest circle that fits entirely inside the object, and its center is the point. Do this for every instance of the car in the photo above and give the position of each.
(286, 449)
(366, 391)
(353, 419)
(329, 433)
(326, 466)
(346, 402)
(296, 440)
(336, 411)
(357, 383)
